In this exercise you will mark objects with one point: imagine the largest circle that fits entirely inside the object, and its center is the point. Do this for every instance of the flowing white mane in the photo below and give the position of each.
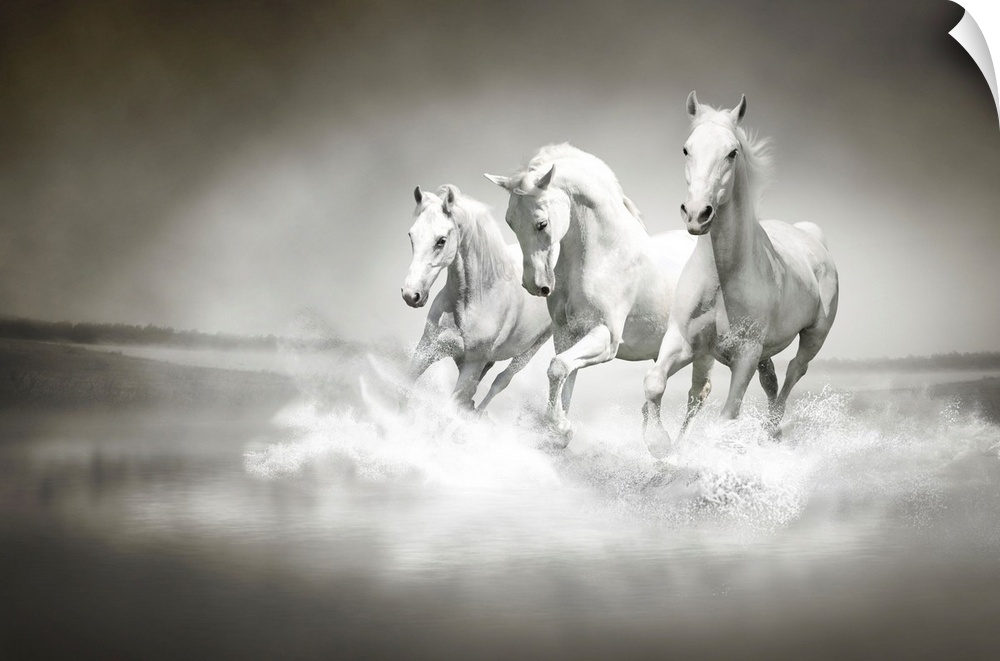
(480, 236)
(588, 173)
(756, 150)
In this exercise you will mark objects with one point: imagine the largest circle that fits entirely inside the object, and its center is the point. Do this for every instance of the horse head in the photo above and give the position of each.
(434, 237)
(711, 151)
(539, 214)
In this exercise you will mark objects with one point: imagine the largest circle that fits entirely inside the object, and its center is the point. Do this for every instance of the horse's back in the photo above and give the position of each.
(813, 230)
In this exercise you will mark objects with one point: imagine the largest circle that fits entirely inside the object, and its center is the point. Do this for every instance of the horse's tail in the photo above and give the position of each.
(813, 230)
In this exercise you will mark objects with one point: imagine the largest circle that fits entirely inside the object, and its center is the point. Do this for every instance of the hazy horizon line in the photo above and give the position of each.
(333, 334)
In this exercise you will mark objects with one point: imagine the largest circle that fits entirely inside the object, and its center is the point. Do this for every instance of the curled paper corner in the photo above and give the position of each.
(970, 36)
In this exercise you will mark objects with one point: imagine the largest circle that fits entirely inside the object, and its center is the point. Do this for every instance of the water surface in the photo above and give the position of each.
(872, 530)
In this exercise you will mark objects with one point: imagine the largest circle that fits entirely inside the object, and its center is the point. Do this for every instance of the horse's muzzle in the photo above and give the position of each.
(413, 298)
(536, 289)
(698, 223)
(697, 229)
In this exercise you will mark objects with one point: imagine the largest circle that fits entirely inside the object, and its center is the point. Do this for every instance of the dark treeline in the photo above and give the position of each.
(16, 328)
(938, 361)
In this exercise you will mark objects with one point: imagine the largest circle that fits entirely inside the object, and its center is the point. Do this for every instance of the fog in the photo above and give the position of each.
(227, 166)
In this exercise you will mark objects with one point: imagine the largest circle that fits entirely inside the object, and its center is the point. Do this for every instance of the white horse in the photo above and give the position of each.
(750, 286)
(482, 315)
(608, 284)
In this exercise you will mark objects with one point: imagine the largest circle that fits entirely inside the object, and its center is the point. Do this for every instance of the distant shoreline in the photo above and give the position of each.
(59, 376)
(105, 334)
(102, 334)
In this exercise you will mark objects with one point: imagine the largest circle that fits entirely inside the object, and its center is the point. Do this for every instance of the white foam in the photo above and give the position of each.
(835, 451)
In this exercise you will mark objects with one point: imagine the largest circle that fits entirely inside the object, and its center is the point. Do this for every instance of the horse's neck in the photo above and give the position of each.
(459, 279)
(467, 280)
(737, 238)
(596, 233)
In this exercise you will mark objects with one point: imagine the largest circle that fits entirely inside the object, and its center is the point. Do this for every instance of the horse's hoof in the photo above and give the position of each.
(658, 442)
(561, 433)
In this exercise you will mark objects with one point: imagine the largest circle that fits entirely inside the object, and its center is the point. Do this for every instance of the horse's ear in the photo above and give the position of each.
(546, 179)
(451, 192)
(502, 182)
(739, 111)
(692, 105)
(418, 195)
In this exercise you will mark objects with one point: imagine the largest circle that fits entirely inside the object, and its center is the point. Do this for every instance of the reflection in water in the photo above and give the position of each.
(872, 529)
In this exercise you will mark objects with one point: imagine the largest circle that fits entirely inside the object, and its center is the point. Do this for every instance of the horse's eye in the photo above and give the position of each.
(732, 154)
(542, 224)
(440, 243)
(685, 151)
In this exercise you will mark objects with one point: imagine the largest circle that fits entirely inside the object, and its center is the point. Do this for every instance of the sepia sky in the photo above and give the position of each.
(228, 166)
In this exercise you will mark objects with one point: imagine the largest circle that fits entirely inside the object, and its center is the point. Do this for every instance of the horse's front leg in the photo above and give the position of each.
(428, 352)
(769, 382)
(595, 347)
(567, 392)
(743, 366)
(675, 353)
(701, 386)
(470, 372)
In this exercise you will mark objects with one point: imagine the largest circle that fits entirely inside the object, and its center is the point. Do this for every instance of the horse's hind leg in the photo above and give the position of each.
(516, 365)
(502, 381)
(810, 342)
(486, 369)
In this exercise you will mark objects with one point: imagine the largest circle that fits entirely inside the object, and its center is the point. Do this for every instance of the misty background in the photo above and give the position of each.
(227, 166)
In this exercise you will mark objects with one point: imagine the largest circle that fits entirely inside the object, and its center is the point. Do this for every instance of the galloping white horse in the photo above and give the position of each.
(750, 286)
(608, 285)
(482, 315)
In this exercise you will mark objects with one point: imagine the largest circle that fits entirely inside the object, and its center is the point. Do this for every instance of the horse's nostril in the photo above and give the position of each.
(705, 214)
(684, 209)
(416, 297)
(545, 291)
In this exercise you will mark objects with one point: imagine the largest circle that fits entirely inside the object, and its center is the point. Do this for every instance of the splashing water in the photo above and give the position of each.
(495, 486)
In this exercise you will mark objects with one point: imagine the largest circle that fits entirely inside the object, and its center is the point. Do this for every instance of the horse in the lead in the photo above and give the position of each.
(751, 287)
